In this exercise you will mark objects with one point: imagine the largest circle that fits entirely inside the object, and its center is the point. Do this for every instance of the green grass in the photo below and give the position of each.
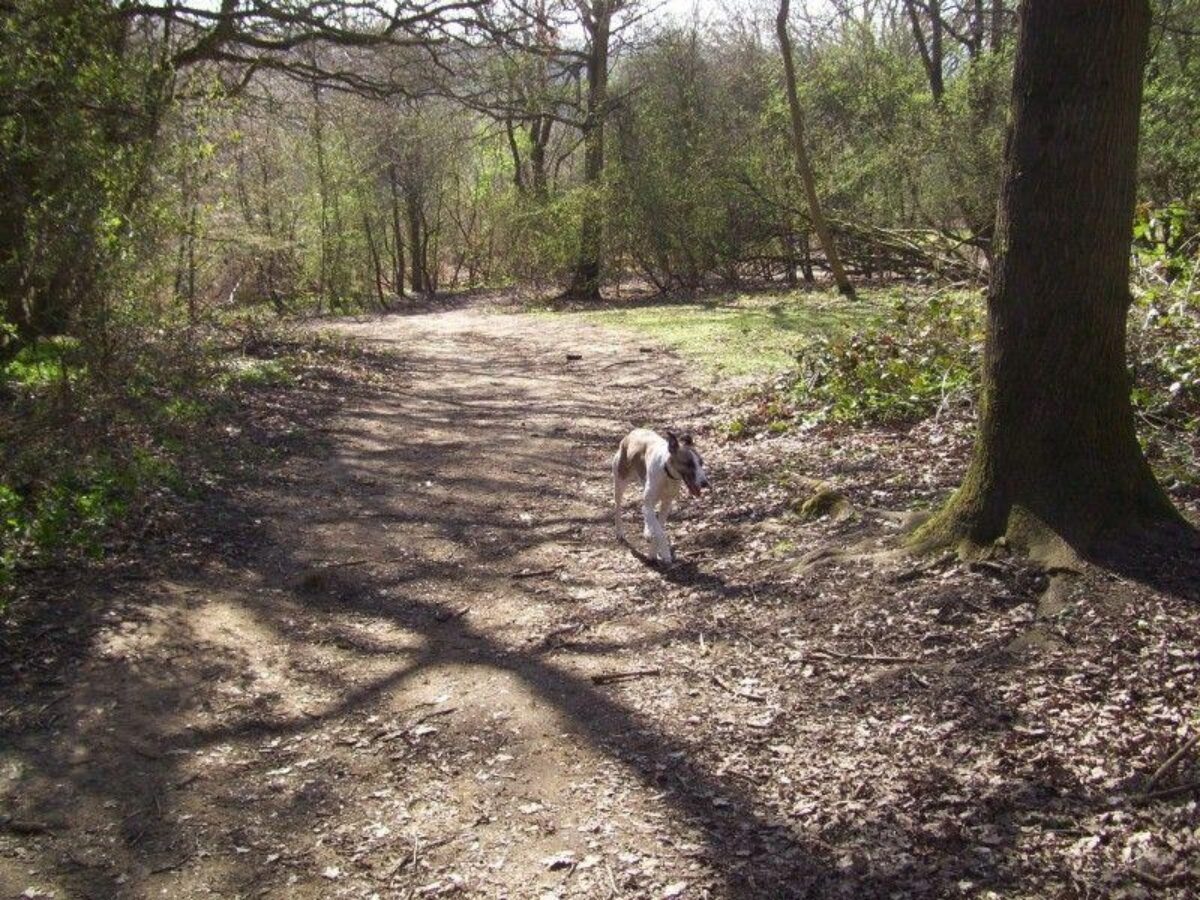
(755, 335)
(257, 373)
(43, 363)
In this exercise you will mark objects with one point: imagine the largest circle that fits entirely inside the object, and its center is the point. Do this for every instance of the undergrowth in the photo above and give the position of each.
(91, 446)
(923, 359)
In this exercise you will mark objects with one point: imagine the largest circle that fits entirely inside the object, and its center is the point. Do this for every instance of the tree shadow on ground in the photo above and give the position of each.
(122, 761)
(1165, 559)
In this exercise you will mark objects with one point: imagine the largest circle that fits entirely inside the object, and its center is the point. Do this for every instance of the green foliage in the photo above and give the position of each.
(920, 359)
(1167, 239)
(75, 140)
(543, 242)
(682, 210)
(1164, 338)
(43, 363)
(1169, 158)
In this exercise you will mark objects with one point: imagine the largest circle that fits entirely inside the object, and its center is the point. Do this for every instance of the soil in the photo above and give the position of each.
(399, 653)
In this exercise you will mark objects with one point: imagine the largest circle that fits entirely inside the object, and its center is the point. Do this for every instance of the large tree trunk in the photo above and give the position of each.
(586, 282)
(1057, 465)
(803, 166)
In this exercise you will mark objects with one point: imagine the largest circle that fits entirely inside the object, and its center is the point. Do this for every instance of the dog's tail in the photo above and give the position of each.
(620, 463)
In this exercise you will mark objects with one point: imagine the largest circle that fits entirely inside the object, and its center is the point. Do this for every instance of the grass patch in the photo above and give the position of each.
(246, 372)
(750, 335)
(44, 363)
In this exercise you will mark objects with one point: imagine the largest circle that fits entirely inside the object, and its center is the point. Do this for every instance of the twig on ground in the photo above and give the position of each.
(447, 615)
(737, 692)
(610, 677)
(1171, 792)
(26, 826)
(411, 859)
(532, 573)
(864, 657)
(612, 882)
(919, 570)
(431, 715)
(558, 632)
(176, 864)
(344, 565)
(612, 365)
(1171, 762)
(992, 568)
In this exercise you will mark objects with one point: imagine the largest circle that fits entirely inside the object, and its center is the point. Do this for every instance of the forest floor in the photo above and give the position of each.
(399, 653)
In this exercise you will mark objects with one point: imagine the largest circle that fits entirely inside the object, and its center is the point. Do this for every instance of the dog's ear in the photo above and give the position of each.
(687, 440)
(672, 441)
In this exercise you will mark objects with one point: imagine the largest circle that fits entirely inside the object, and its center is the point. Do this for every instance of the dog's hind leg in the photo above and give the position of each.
(618, 496)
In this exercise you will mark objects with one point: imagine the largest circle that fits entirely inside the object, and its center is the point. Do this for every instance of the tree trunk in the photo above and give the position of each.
(539, 139)
(376, 261)
(518, 180)
(586, 281)
(1057, 466)
(931, 50)
(416, 244)
(397, 232)
(803, 166)
(318, 134)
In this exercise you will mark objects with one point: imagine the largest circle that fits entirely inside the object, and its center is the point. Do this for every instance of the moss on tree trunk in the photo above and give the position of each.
(1057, 465)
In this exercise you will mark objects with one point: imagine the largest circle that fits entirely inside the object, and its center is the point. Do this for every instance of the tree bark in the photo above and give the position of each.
(803, 166)
(1057, 468)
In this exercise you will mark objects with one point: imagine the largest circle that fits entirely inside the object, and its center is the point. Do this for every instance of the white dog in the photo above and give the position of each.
(662, 465)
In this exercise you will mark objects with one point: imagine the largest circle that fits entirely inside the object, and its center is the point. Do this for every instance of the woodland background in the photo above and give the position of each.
(176, 181)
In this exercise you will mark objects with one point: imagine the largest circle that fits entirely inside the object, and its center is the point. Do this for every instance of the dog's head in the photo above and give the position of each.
(687, 461)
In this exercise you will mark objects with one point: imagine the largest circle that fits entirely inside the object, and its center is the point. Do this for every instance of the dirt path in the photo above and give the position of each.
(376, 697)
(377, 668)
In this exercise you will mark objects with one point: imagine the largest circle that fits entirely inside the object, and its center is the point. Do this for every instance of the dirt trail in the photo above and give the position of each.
(368, 693)
(367, 668)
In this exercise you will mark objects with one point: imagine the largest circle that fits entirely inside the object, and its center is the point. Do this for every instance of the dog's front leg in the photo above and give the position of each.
(654, 530)
(664, 509)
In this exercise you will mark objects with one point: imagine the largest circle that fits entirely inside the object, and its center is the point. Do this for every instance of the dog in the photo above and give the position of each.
(662, 465)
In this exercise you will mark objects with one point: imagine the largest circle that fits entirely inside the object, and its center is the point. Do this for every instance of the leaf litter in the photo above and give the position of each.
(875, 727)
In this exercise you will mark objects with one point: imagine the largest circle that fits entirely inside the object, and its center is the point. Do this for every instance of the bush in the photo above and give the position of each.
(917, 362)
(924, 360)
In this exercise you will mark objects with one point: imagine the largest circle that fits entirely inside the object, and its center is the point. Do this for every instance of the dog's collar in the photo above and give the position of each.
(670, 474)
